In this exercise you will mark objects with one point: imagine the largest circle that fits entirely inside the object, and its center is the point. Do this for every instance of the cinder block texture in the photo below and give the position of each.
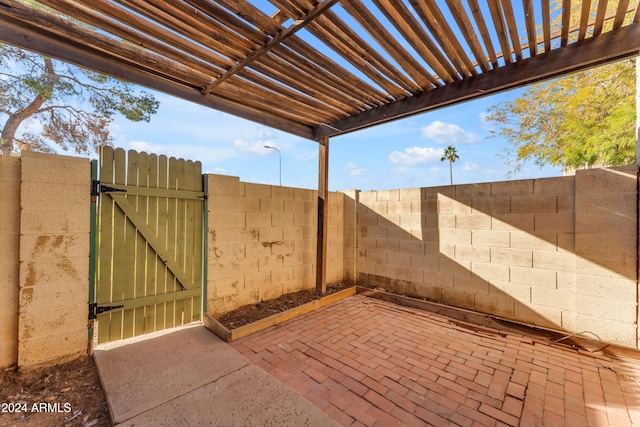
(335, 237)
(53, 258)
(605, 250)
(545, 251)
(262, 241)
(10, 259)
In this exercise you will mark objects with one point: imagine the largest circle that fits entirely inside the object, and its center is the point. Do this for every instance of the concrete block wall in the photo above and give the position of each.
(10, 259)
(351, 205)
(556, 252)
(551, 252)
(606, 250)
(44, 203)
(335, 238)
(54, 258)
(262, 242)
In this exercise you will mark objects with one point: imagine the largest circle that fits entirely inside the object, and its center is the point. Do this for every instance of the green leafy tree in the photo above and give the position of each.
(70, 106)
(450, 154)
(578, 121)
(584, 119)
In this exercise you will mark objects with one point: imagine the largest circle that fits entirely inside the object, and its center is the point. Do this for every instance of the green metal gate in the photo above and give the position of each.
(149, 243)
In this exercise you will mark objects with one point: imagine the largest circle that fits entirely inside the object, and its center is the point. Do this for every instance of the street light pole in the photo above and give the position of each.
(280, 158)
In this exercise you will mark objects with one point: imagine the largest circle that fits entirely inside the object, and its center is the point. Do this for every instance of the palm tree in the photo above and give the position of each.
(451, 155)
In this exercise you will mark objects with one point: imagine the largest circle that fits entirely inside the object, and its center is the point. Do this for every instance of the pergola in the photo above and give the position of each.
(322, 68)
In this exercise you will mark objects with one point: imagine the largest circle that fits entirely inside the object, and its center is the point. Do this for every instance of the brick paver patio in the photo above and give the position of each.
(368, 362)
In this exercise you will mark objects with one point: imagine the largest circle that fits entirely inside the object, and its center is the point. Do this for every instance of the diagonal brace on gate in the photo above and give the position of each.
(146, 231)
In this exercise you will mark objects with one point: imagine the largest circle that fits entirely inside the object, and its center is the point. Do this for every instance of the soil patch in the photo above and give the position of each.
(69, 394)
(254, 312)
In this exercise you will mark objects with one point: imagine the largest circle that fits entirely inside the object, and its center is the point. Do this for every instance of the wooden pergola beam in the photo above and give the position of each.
(607, 47)
(24, 35)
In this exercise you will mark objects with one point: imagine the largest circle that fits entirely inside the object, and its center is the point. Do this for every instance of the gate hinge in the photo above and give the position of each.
(97, 188)
(94, 310)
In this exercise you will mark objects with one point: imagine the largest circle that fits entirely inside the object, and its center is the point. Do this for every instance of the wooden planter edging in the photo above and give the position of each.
(229, 335)
(466, 318)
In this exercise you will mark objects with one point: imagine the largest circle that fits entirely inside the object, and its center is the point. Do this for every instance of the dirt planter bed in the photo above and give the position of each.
(233, 334)
(479, 322)
(229, 334)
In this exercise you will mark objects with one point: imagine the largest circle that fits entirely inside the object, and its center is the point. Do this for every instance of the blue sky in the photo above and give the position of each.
(401, 154)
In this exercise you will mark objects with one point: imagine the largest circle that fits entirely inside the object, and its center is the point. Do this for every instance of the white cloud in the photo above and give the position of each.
(355, 170)
(151, 148)
(258, 181)
(205, 153)
(217, 171)
(416, 155)
(448, 133)
(254, 147)
(470, 167)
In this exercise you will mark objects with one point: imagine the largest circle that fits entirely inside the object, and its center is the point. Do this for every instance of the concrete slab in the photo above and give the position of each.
(144, 372)
(188, 376)
(247, 397)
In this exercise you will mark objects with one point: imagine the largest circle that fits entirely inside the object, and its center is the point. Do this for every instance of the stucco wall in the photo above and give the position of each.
(554, 252)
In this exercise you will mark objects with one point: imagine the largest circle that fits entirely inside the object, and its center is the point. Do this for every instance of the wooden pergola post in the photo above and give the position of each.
(638, 110)
(323, 195)
(638, 186)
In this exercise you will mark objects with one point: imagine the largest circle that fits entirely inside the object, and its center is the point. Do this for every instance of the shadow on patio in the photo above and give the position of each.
(368, 362)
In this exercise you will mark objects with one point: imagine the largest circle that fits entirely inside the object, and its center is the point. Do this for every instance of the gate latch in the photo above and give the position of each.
(97, 188)
(94, 310)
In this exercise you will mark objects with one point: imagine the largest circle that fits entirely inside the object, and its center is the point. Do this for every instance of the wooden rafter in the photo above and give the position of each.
(16, 28)
(608, 47)
(572, 29)
(353, 48)
(498, 21)
(400, 16)
(420, 76)
(513, 28)
(430, 13)
(621, 12)
(566, 21)
(272, 43)
(335, 34)
(602, 10)
(484, 32)
(546, 25)
(585, 14)
(464, 23)
(340, 66)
